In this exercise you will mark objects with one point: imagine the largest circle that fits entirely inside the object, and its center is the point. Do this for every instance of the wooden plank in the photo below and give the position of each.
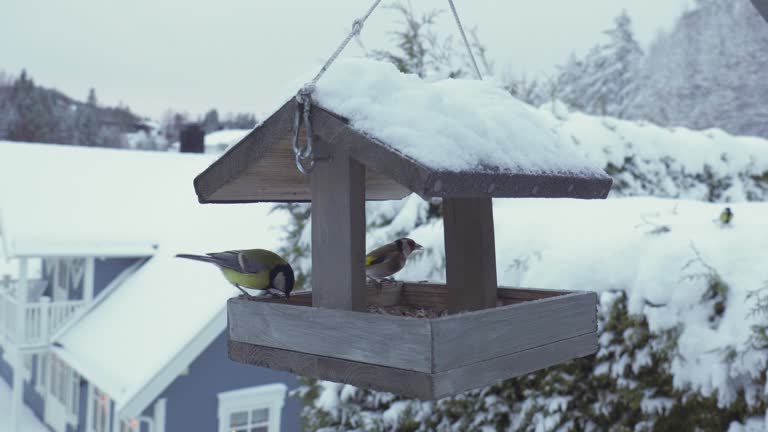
(526, 294)
(410, 383)
(275, 177)
(338, 229)
(254, 146)
(404, 382)
(762, 8)
(491, 371)
(406, 172)
(503, 184)
(470, 253)
(365, 337)
(467, 338)
(425, 295)
(261, 167)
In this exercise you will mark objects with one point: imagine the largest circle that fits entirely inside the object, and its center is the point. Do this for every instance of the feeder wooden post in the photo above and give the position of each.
(470, 253)
(338, 229)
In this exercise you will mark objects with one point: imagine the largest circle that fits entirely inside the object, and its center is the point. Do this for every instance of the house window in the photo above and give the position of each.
(253, 409)
(65, 385)
(100, 411)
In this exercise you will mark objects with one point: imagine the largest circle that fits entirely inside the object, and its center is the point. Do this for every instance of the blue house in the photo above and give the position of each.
(101, 328)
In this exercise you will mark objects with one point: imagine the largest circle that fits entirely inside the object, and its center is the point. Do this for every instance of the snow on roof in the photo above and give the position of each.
(55, 196)
(453, 124)
(103, 201)
(643, 247)
(141, 327)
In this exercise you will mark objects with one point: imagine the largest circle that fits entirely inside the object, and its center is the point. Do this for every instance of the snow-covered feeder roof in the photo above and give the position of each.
(451, 138)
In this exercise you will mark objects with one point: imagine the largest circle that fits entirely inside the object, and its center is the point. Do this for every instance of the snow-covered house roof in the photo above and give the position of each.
(142, 333)
(452, 138)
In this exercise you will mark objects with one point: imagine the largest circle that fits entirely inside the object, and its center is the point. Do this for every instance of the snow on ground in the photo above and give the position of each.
(646, 247)
(28, 421)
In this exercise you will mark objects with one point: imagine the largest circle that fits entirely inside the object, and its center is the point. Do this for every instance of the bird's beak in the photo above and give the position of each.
(417, 247)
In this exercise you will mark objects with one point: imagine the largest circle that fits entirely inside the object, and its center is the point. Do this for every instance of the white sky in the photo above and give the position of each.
(197, 54)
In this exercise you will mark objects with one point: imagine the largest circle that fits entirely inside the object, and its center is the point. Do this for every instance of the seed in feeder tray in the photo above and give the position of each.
(407, 311)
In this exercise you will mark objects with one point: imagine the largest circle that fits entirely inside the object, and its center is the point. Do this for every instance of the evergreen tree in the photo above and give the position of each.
(703, 73)
(605, 81)
(87, 127)
(32, 116)
(210, 121)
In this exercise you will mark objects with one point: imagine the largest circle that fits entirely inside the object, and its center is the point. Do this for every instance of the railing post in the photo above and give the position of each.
(45, 311)
(21, 302)
(88, 278)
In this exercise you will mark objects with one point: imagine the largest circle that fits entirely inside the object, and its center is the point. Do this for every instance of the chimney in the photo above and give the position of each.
(192, 139)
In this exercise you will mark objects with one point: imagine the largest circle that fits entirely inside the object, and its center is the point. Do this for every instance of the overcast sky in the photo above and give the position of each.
(193, 55)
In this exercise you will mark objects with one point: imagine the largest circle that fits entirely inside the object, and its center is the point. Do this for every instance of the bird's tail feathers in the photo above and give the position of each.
(198, 258)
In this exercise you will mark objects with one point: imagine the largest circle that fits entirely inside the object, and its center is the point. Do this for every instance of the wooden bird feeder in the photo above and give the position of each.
(489, 333)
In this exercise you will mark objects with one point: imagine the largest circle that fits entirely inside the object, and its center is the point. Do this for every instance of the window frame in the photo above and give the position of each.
(270, 397)
(100, 411)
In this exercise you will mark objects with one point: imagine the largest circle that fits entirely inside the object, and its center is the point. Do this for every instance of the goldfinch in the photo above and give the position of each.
(258, 269)
(726, 216)
(389, 259)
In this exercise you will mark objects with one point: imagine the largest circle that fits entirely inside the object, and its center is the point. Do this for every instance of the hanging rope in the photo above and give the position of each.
(466, 41)
(305, 160)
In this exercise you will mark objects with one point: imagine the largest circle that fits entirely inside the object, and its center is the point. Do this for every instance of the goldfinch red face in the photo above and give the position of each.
(410, 246)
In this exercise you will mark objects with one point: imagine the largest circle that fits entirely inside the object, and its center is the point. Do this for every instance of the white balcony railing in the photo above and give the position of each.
(42, 318)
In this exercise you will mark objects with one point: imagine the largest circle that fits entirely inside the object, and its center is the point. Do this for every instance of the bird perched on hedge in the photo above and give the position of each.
(389, 259)
(258, 269)
(726, 216)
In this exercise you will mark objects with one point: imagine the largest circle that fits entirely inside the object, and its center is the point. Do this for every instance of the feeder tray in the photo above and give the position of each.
(489, 333)
(426, 358)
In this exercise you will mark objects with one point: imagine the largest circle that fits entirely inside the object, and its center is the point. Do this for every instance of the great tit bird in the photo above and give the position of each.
(252, 268)
(389, 259)
(726, 216)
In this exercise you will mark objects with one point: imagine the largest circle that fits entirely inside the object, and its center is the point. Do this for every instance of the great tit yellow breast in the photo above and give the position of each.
(248, 280)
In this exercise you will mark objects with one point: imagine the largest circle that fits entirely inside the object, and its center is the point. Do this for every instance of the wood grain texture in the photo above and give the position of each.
(365, 337)
(470, 253)
(466, 338)
(488, 372)
(425, 386)
(261, 168)
(400, 381)
(338, 230)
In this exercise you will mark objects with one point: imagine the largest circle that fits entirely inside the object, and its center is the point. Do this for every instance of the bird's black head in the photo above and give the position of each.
(281, 278)
(728, 210)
